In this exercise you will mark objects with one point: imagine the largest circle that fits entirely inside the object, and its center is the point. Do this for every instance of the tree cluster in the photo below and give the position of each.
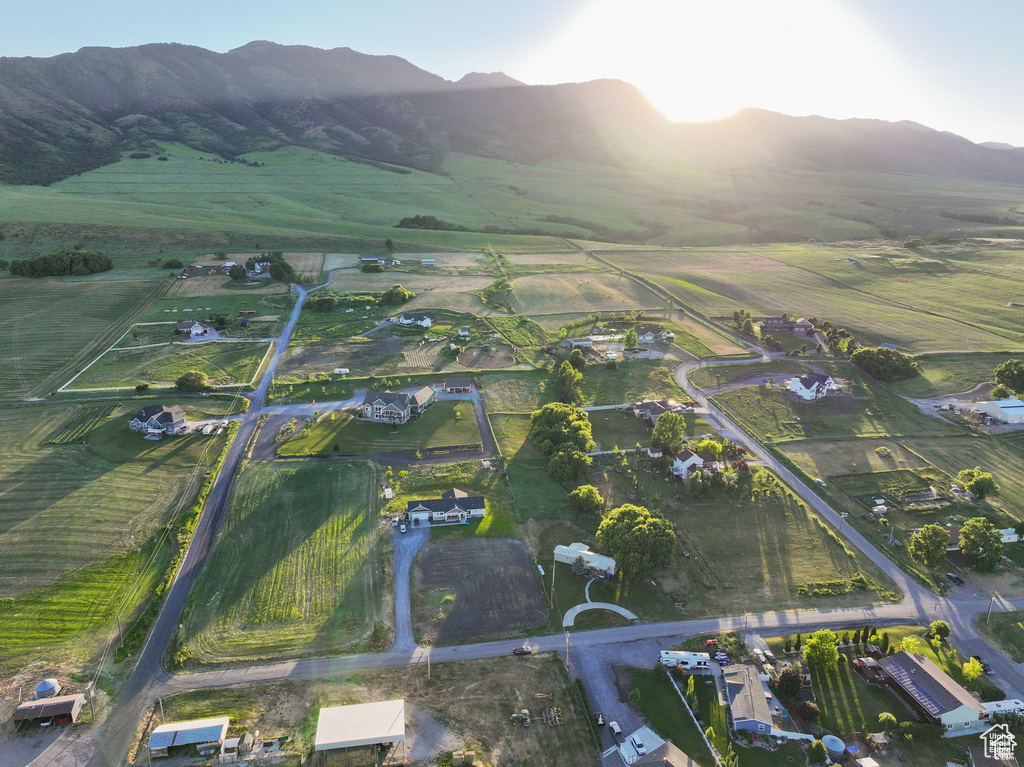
(928, 545)
(981, 544)
(977, 482)
(1011, 375)
(587, 503)
(885, 365)
(821, 650)
(64, 263)
(429, 222)
(193, 380)
(640, 540)
(396, 295)
(563, 432)
(567, 383)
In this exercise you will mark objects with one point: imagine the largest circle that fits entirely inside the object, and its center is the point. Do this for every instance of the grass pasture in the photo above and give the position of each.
(444, 424)
(1006, 630)
(951, 373)
(711, 376)
(180, 306)
(226, 364)
(298, 569)
(551, 293)
(54, 327)
(82, 522)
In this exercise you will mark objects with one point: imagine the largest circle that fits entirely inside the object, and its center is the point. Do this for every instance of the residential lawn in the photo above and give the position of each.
(443, 424)
(534, 493)
(632, 381)
(52, 328)
(299, 568)
(225, 364)
(333, 389)
(710, 376)
(647, 601)
(852, 456)
(667, 716)
(774, 415)
(951, 373)
(420, 482)
(514, 392)
(1006, 630)
(618, 428)
(85, 506)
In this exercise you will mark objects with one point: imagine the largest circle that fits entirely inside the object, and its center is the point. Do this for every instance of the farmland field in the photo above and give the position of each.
(54, 327)
(951, 373)
(178, 307)
(551, 293)
(433, 291)
(718, 375)
(444, 424)
(920, 304)
(298, 569)
(222, 285)
(66, 542)
(487, 587)
(226, 364)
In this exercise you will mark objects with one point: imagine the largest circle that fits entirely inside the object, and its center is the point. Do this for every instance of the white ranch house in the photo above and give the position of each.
(812, 386)
(158, 419)
(452, 508)
(422, 319)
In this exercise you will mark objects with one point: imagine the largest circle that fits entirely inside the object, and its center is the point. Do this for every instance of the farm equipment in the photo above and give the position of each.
(523, 718)
(552, 716)
(543, 696)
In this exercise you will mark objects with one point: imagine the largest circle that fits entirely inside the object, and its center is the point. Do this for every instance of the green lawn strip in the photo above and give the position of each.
(203, 308)
(632, 381)
(666, 714)
(534, 493)
(444, 424)
(514, 392)
(224, 363)
(617, 428)
(298, 569)
(710, 376)
(1006, 631)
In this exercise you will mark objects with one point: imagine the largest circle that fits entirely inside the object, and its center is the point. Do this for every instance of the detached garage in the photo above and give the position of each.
(206, 735)
(363, 734)
(61, 709)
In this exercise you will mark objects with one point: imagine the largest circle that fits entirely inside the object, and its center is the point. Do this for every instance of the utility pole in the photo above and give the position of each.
(567, 647)
(163, 719)
(120, 637)
(991, 599)
(842, 521)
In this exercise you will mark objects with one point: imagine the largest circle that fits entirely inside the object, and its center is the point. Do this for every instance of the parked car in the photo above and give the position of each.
(638, 744)
(616, 730)
(985, 665)
(770, 656)
(599, 719)
(759, 654)
(394, 522)
(955, 578)
(402, 528)
(711, 643)
(820, 481)
(521, 650)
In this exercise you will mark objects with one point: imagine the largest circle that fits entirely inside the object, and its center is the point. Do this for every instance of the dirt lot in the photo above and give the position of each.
(487, 357)
(362, 359)
(464, 589)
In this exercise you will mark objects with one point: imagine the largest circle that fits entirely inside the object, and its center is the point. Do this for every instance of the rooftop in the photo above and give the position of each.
(187, 733)
(930, 686)
(363, 724)
(56, 706)
(746, 694)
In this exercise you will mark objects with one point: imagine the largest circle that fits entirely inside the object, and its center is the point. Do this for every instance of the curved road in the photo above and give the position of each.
(150, 681)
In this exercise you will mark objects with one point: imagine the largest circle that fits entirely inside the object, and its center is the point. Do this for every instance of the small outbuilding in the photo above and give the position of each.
(58, 709)
(598, 564)
(369, 727)
(206, 735)
(457, 386)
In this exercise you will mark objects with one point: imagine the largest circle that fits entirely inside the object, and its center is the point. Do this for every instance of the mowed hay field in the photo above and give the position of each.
(299, 568)
(433, 291)
(81, 523)
(225, 364)
(52, 328)
(918, 315)
(224, 286)
(580, 292)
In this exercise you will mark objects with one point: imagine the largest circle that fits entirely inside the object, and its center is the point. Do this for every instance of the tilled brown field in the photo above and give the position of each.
(493, 583)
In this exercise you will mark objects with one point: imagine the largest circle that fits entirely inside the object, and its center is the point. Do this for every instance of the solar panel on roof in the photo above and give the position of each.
(197, 735)
(161, 740)
(908, 683)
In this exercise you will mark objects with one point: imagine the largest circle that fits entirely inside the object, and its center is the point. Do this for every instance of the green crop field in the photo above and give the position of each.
(54, 327)
(550, 293)
(298, 569)
(923, 304)
(81, 524)
(226, 364)
(951, 373)
(444, 424)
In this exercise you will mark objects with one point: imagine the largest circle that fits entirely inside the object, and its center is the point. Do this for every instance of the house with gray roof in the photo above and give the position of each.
(158, 419)
(928, 689)
(452, 508)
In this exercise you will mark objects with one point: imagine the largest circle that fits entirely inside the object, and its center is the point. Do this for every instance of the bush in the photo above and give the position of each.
(886, 365)
(193, 380)
(172, 264)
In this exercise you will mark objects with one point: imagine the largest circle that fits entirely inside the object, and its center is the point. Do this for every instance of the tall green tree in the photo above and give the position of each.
(670, 433)
(638, 539)
(567, 383)
(631, 339)
(193, 380)
(821, 650)
(1011, 375)
(973, 669)
(941, 630)
(559, 426)
(569, 466)
(981, 544)
(979, 483)
(587, 502)
(928, 545)
(576, 359)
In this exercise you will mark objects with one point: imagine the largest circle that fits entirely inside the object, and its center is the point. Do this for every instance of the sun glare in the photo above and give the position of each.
(701, 60)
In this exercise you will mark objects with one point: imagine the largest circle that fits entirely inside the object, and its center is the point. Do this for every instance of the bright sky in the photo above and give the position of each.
(950, 64)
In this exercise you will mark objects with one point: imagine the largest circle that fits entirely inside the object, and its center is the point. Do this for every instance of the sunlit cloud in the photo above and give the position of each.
(701, 60)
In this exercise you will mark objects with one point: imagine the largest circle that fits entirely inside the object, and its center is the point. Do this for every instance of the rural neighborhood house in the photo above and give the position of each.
(158, 419)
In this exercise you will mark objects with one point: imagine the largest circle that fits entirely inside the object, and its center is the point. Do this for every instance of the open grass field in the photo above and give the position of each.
(176, 307)
(551, 293)
(718, 375)
(82, 523)
(632, 381)
(449, 710)
(54, 327)
(226, 365)
(519, 392)
(444, 424)
(534, 494)
(1006, 630)
(299, 568)
(920, 304)
(827, 459)
(222, 285)
(951, 373)
(867, 410)
(466, 589)
(616, 428)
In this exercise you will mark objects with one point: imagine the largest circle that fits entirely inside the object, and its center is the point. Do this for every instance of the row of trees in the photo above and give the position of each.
(65, 263)
(563, 431)
(980, 543)
(393, 296)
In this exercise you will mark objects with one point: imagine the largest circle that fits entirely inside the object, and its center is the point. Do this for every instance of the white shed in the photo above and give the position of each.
(599, 563)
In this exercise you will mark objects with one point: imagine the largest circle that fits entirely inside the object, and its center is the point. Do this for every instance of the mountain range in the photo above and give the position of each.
(67, 114)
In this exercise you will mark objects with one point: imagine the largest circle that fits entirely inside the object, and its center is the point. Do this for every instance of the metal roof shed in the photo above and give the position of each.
(192, 732)
(364, 724)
